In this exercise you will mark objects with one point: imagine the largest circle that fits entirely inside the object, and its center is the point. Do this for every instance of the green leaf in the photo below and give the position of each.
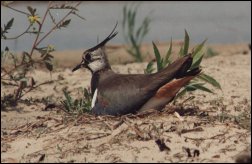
(181, 51)
(197, 59)
(9, 24)
(130, 51)
(133, 18)
(186, 43)
(31, 10)
(198, 48)
(48, 57)
(139, 31)
(133, 41)
(135, 48)
(133, 34)
(193, 87)
(158, 57)
(201, 87)
(190, 87)
(68, 102)
(130, 22)
(209, 80)
(196, 62)
(149, 69)
(144, 29)
(44, 52)
(65, 23)
(49, 65)
(6, 28)
(124, 16)
(168, 54)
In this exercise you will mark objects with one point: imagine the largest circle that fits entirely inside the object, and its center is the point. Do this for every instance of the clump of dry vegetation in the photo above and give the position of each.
(16, 67)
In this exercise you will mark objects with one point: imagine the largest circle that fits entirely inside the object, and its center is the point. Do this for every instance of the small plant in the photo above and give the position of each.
(14, 68)
(197, 54)
(77, 106)
(132, 35)
(161, 62)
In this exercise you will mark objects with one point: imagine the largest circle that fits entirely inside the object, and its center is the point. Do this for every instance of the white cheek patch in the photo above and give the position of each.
(94, 98)
(96, 65)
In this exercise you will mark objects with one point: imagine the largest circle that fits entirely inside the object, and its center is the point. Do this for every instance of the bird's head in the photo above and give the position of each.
(95, 58)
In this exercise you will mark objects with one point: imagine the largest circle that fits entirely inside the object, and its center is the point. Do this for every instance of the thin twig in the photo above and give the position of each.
(40, 27)
(51, 16)
(16, 37)
(56, 26)
(32, 88)
(22, 12)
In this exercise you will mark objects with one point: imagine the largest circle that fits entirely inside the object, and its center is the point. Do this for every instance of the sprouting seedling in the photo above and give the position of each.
(197, 83)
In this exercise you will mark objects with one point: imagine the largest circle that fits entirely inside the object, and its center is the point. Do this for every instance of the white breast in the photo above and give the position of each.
(94, 98)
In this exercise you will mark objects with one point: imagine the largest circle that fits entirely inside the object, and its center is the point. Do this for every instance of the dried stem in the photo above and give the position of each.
(32, 88)
(40, 27)
(22, 89)
(22, 12)
(56, 25)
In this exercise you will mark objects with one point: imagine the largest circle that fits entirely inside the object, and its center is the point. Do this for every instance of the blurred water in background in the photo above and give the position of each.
(220, 22)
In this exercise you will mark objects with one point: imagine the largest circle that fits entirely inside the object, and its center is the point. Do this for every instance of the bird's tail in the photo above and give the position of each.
(178, 69)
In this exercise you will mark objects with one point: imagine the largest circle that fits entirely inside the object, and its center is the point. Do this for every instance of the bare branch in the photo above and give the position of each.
(22, 12)
(57, 24)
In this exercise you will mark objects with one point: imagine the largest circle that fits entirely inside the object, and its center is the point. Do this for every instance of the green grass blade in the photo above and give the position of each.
(68, 101)
(190, 87)
(149, 69)
(197, 59)
(158, 57)
(209, 80)
(198, 48)
(196, 62)
(186, 43)
(200, 86)
(133, 41)
(133, 20)
(168, 54)
(138, 33)
(124, 16)
(181, 51)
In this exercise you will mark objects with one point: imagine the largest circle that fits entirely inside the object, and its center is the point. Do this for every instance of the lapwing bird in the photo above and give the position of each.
(119, 94)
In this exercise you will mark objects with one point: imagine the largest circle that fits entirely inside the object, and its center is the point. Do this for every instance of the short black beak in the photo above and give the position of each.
(78, 66)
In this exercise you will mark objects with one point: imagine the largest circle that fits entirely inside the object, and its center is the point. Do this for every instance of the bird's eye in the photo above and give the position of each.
(88, 57)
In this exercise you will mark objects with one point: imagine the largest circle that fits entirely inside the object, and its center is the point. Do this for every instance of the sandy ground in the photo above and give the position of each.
(212, 127)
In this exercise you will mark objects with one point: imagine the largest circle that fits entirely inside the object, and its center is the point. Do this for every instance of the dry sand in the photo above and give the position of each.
(212, 127)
